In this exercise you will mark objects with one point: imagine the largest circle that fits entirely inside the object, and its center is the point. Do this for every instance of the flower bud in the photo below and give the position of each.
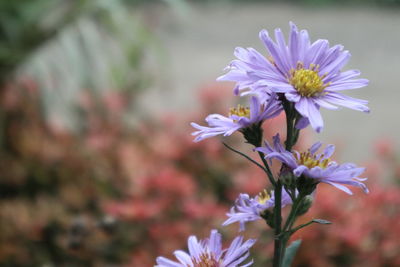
(305, 205)
(253, 134)
(305, 185)
(288, 180)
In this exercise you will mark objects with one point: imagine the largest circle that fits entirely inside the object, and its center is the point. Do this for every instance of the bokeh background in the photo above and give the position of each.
(97, 164)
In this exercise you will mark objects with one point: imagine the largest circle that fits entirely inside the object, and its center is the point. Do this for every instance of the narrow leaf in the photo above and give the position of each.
(290, 252)
(321, 221)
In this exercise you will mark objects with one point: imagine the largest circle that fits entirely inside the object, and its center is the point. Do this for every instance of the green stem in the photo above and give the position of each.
(280, 236)
(254, 136)
(247, 157)
(284, 233)
(293, 213)
(290, 131)
(267, 169)
(278, 252)
(291, 217)
(292, 231)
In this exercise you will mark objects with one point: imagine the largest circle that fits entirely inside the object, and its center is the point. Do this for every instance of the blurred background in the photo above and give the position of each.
(97, 164)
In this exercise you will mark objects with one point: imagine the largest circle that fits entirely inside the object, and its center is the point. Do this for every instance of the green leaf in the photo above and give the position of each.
(321, 221)
(290, 252)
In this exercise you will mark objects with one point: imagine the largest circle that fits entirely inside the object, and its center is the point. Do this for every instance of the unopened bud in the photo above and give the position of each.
(288, 180)
(253, 134)
(305, 185)
(305, 205)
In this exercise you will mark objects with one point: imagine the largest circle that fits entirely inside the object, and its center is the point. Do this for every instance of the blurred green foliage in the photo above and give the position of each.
(25, 25)
(67, 46)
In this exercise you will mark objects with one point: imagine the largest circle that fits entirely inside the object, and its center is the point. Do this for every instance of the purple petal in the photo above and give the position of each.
(304, 44)
(316, 51)
(329, 151)
(294, 44)
(315, 147)
(184, 258)
(283, 51)
(302, 123)
(321, 102)
(336, 65)
(346, 101)
(215, 241)
(347, 85)
(341, 187)
(299, 170)
(346, 75)
(194, 247)
(273, 50)
(164, 262)
(308, 109)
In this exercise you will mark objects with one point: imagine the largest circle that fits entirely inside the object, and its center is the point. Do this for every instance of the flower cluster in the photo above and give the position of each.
(307, 74)
(298, 78)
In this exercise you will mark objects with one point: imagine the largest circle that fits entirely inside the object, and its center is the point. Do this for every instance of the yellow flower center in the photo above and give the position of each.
(240, 111)
(263, 197)
(307, 81)
(311, 161)
(206, 260)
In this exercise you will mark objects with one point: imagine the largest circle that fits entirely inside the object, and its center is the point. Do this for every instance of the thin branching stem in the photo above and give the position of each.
(267, 168)
(245, 156)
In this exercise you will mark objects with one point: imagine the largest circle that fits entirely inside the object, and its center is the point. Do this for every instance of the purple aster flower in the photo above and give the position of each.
(239, 118)
(308, 74)
(209, 253)
(249, 209)
(317, 166)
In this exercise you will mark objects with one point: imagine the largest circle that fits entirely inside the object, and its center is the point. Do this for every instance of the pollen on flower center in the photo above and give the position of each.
(263, 197)
(206, 260)
(240, 111)
(307, 81)
(311, 161)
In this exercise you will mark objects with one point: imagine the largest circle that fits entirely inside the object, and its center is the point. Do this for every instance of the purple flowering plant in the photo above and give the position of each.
(297, 78)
